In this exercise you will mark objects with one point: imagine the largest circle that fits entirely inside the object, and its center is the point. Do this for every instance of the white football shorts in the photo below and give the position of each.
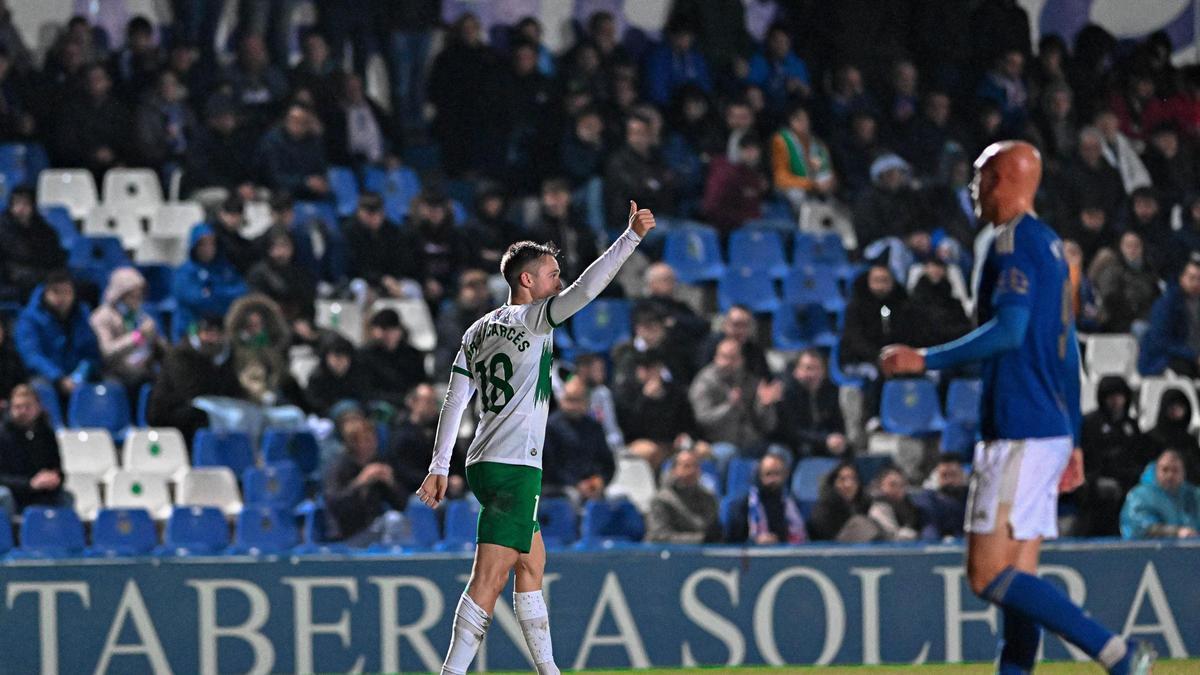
(1022, 473)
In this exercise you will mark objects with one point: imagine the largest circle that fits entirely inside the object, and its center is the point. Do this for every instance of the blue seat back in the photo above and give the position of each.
(813, 284)
(276, 484)
(103, 405)
(299, 447)
(739, 475)
(910, 407)
(121, 532)
(808, 476)
(747, 285)
(223, 448)
(198, 530)
(22, 162)
(266, 530)
(618, 520)
(344, 186)
(93, 259)
(49, 399)
(462, 521)
(424, 524)
(6, 535)
(757, 247)
(726, 510)
(825, 248)
(694, 252)
(869, 466)
(601, 325)
(143, 403)
(60, 220)
(316, 523)
(307, 212)
(797, 327)
(51, 532)
(158, 283)
(557, 518)
(963, 399)
(398, 187)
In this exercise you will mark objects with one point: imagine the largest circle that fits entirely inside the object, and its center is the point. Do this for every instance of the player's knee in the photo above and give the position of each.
(529, 569)
(980, 575)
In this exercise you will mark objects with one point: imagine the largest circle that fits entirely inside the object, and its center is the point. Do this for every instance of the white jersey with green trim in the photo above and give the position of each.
(509, 353)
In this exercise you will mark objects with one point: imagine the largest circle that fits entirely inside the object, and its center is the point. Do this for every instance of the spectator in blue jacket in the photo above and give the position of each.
(205, 285)
(1164, 505)
(674, 63)
(777, 70)
(292, 156)
(54, 336)
(1173, 340)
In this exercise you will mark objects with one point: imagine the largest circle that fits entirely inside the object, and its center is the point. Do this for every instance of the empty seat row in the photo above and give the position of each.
(694, 251)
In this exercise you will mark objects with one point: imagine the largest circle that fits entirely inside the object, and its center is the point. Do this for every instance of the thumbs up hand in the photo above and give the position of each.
(640, 221)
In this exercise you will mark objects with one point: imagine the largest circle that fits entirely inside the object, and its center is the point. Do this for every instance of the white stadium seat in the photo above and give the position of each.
(133, 190)
(86, 493)
(72, 188)
(159, 451)
(1115, 354)
(87, 452)
(161, 251)
(140, 490)
(107, 221)
(417, 320)
(211, 486)
(634, 479)
(176, 220)
(343, 316)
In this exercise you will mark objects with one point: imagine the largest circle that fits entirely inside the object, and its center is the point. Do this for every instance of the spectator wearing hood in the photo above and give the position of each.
(683, 511)
(1126, 285)
(205, 285)
(29, 246)
(1165, 505)
(734, 191)
(841, 510)
(259, 337)
(439, 248)
(810, 416)
(938, 315)
(876, 316)
(288, 284)
(944, 501)
(800, 162)
(1173, 339)
(767, 514)
(338, 377)
(131, 344)
(54, 338)
(199, 365)
(1114, 453)
(890, 206)
(30, 466)
(1173, 430)
(393, 366)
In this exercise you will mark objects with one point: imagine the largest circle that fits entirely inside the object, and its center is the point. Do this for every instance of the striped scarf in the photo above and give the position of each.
(758, 518)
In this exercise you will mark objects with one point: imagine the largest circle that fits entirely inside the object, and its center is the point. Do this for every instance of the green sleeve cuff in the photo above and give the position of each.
(461, 371)
(549, 318)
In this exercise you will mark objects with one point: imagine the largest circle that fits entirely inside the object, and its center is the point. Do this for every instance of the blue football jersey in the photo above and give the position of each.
(1026, 390)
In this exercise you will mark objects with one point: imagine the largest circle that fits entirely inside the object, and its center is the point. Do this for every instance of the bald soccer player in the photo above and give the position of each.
(1029, 420)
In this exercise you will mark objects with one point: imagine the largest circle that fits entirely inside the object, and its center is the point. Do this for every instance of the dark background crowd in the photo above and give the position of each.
(852, 117)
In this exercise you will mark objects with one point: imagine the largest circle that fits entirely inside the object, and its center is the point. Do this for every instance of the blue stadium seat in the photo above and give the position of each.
(22, 162)
(821, 249)
(264, 530)
(963, 400)
(959, 438)
(158, 288)
(316, 540)
(557, 518)
(814, 284)
(797, 327)
(910, 407)
(6, 535)
(398, 187)
(195, 530)
(759, 248)
(601, 325)
(231, 449)
(781, 224)
(59, 218)
(123, 532)
(608, 523)
(869, 466)
(726, 509)
(694, 252)
(345, 189)
(749, 286)
(51, 533)
(307, 211)
(144, 403)
(297, 446)
(462, 521)
(104, 405)
(424, 524)
(740, 475)
(49, 399)
(836, 374)
(809, 474)
(277, 484)
(93, 259)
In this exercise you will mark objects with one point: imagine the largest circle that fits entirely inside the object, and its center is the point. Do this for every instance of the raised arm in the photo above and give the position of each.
(599, 274)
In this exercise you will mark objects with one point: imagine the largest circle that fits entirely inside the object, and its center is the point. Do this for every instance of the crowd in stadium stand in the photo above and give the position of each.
(750, 402)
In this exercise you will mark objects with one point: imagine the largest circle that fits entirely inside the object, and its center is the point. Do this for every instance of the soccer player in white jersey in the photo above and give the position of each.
(507, 356)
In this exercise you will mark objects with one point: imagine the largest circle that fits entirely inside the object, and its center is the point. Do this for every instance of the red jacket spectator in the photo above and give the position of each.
(735, 188)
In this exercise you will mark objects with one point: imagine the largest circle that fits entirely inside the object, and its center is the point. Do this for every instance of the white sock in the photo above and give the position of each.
(535, 624)
(470, 625)
(1114, 650)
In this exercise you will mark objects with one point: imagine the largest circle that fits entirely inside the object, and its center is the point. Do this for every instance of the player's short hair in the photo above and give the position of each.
(520, 255)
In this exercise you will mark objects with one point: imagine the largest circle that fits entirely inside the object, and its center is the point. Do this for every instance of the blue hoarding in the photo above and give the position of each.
(636, 607)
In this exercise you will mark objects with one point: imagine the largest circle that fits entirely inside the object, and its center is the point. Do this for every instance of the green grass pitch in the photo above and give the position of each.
(1162, 667)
